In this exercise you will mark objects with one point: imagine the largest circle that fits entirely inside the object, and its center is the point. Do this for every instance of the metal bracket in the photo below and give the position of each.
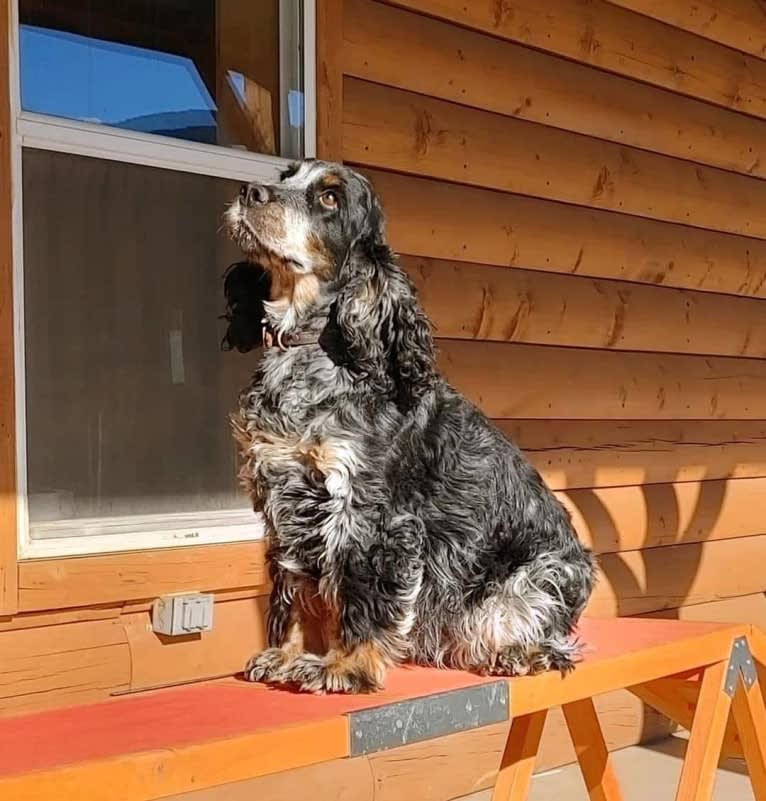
(741, 663)
(424, 718)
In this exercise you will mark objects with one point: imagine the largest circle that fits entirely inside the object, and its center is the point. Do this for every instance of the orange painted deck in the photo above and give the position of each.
(141, 747)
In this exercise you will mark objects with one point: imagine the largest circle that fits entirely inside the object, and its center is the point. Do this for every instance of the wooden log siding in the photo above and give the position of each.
(487, 73)
(547, 382)
(444, 220)
(654, 579)
(389, 128)
(736, 23)
(617, 40)
(473, 301)
(602, 453)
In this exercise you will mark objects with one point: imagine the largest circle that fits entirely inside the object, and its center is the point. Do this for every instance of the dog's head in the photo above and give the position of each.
(322, 227)
(307, 223)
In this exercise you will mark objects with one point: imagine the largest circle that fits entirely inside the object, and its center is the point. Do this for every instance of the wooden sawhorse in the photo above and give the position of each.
(156, 744)
(703, 676)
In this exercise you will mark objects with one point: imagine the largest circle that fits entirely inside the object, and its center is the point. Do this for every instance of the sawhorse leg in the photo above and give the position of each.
(519, 756)
(727, 688)
(706, 736)
(591, 750)
(750, 720)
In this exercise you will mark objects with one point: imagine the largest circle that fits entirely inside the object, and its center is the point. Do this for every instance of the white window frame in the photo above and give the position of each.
(45, 132)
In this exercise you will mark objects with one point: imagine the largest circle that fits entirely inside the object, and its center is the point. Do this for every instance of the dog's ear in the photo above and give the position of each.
(246, 287)
(385, 331)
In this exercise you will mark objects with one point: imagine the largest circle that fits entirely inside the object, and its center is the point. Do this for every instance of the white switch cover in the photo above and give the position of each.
(187, 613)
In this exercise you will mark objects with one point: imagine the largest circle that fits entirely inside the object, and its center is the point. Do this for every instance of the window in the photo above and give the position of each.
(136, 122)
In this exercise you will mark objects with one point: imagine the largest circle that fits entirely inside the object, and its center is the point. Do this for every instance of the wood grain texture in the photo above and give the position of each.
(735, 23)
(391, 129)
(656, 515)
(517, 763)
(238, 632)
(465, 763)
(472, 301)
(675, 576)
(338, 780)
(8, 534)
(38, 620)
(601, 453)
(442, 220)
(617, 40)
(703, 751)
(62, 665)
(437, 770)
(162, 772)
(62, 583)
(329, 79)
(484, 72)
(609, 385)
(741, 609)
(592, 754)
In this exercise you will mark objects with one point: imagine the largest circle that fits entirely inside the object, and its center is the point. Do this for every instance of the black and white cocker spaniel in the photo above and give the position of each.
(402, 525)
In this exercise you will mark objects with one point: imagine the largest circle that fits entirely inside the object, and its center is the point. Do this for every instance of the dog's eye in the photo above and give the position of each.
(329, 199)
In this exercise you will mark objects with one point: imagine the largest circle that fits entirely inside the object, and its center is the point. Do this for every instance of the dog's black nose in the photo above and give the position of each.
(253, 194)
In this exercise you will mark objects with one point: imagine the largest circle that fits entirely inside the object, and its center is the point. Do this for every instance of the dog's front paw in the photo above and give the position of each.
(267, 666)
(312, 674)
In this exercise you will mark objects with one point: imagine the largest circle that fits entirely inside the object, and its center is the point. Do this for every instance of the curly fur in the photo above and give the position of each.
(402, 524)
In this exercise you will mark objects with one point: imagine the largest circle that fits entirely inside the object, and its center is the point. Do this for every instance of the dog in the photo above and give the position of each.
(402, 525)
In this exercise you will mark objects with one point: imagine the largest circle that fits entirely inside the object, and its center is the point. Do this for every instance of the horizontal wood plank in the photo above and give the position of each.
(162, 772)
(478, 70)
(462, 223)
(471, 301)
(542, 382)
(637, 582)
(392, 129)
(62, 665)
(56, 617)
(63, 583)
(620, 41)
(742, 609)
(734, 23)
(604, 453)
(238, 632)
(615, 519)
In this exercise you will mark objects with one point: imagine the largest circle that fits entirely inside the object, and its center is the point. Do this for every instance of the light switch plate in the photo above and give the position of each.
(185, 613)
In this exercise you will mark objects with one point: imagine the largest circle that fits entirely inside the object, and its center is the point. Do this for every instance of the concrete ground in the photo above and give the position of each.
(645, 772)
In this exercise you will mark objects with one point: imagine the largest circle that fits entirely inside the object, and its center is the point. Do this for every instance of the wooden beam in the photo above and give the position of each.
(8, 532)
(518, 760)
(238, 633)
(642, 663)
(638, 582)
(449, 221)
(473, 301)
(617, 40)
(614, 519)
(626, 386)
(329, 79)
(473, 69)
(69, 582)
(572, 454)
(736, 23)
(391, 129)
(740, 609)
(62, 665)
(706, 738)
(155, 774)
(592, 754)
